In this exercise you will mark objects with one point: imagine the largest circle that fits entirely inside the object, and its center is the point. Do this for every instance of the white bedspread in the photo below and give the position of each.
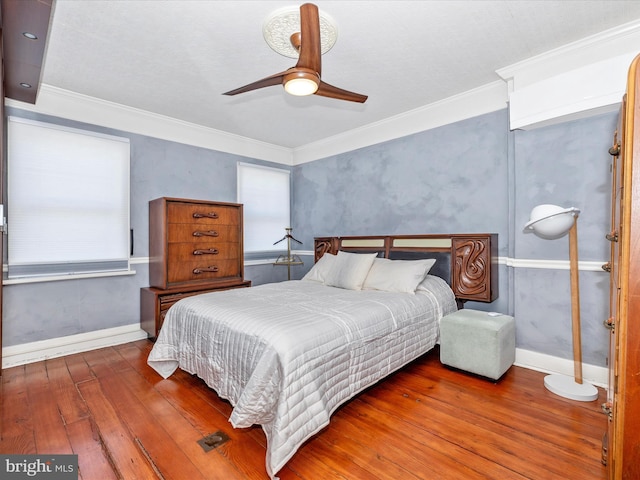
(286, 355)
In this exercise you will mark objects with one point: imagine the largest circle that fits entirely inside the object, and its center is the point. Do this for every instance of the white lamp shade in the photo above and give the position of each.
(551, 221)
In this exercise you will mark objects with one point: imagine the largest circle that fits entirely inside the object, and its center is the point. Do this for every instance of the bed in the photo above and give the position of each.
(287, 355)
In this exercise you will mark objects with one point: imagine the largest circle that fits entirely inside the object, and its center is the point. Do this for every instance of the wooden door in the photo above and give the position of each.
(617, 206)
(614, 271)
(627, 330)
(622, 441)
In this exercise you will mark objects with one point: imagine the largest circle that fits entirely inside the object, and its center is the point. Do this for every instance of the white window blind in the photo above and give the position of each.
(265, 194)
(68, 200)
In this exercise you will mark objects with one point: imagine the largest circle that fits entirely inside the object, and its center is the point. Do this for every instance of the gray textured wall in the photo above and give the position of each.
(476, 176)
(471, 176)
(159, 168)
(567, 165)
(449, 179)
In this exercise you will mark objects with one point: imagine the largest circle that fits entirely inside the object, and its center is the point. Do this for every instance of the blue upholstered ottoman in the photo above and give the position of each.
(477, 342)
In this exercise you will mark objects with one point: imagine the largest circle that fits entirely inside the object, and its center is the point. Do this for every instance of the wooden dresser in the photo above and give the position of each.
(194, 247)
(621, 445)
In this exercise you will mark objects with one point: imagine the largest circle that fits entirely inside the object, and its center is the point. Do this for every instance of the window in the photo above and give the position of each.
(68, 200)
(265, 194)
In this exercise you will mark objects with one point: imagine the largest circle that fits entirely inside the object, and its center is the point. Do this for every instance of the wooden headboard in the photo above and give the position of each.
(468, 262)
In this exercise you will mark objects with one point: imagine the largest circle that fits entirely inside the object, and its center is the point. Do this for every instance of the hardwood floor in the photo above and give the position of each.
(423, 422)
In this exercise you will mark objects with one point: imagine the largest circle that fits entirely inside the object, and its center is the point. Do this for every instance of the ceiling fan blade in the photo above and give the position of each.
(275, 79)
(326, 90)
(310, 51)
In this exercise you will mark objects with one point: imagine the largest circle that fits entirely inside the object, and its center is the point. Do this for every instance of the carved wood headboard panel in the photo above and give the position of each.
(468, 262)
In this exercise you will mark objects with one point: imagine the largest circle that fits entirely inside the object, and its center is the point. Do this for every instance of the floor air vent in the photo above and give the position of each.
(213, 440)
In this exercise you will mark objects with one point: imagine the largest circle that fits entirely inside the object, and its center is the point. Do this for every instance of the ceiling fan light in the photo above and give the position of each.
(301, 83)
(301, 87)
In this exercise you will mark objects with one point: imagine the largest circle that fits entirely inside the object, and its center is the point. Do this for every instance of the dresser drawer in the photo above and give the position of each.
(202, 232)
(201, 252)
(202, 214)
(155, 302)
(203, 270)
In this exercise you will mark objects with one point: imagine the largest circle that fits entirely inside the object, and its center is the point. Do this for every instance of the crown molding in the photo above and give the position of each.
(82, 108)
(623, 39)
(486, 99)
(581, 79)
(73, 106)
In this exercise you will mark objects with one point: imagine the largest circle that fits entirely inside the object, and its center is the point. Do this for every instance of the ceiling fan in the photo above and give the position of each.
(304, 78)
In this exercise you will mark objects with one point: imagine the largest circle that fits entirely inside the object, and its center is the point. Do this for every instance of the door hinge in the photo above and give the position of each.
(610, 324)
(614, 151)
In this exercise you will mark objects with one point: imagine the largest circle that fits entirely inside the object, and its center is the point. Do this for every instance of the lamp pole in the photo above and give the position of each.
(575, 301)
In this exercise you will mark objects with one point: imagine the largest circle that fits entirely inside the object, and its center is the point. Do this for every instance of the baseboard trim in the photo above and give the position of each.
(15, 355)
(57, 347)
(598, 376)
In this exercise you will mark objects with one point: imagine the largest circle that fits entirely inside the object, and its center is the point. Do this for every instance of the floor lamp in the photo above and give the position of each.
(550, 222)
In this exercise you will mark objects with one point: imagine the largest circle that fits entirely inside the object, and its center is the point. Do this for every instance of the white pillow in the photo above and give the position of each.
(349, 270)
(319, 271)
(397, 275)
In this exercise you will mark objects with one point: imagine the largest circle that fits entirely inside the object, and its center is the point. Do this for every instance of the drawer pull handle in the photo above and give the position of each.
(607, 267)
(208, 233)
(208, 251)
(205, 270)
(612, 236)
(205, 215)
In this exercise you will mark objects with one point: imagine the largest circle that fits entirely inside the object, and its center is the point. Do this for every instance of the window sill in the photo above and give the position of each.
(133, 261)
(18, 281)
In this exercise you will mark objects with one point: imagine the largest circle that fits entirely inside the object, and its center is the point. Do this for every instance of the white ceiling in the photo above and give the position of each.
(177, 57)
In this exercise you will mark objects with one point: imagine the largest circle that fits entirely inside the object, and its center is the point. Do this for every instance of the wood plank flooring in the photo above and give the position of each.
(423, 422)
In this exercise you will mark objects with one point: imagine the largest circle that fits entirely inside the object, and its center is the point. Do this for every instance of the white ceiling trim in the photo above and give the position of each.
(587, 91)
(65, 104)
(485, 99)
(600, 47)
(488, 98)
(82, 108)
(580, 79)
